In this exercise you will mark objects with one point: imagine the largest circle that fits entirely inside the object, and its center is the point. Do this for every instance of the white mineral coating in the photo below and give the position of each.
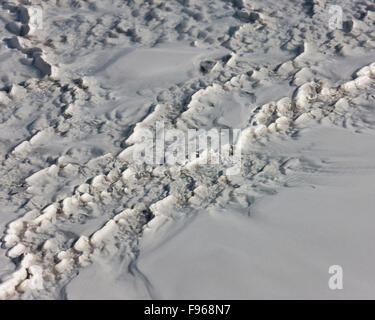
(48, 213)
(10, 240)
(304, 117)
(38, 137)
(17, 250)
(4, 99)
(82, 244)
(16, 226)
(260, 130)
(23, 147)
(123, 214)
(27, 260)
(99, 236)
(99, 182)
(86, 197)
(283, 123)
(349, 86)
(305, 95)
(284, 107)
(50, 245)
(342, 105)
(68, 206)
(64, 265)
(163, 206)
(84, 188)
(363, 82)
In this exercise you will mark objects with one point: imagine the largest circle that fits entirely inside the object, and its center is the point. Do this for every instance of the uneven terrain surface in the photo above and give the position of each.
(80, 219)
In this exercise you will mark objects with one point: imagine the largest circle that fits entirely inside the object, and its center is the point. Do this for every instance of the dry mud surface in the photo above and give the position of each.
(80, 219)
